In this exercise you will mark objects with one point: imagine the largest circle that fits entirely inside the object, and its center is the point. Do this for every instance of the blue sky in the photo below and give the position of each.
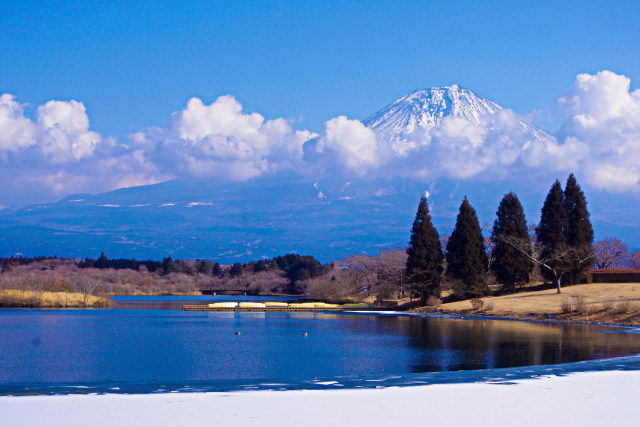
(134, 64)
(96, 96)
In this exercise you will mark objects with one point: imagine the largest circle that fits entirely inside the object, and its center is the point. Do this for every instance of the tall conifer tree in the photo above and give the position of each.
(466, 255)
(550, 232)
(510, 265)
(424, 264)
(578, 229)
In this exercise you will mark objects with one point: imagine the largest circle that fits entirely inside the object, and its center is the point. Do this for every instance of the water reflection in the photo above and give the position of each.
(148, 346)
(463, 344)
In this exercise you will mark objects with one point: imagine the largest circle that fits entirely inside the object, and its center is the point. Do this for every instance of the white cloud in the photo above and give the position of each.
(16, 131)
(457, 148)
(600, 98)
(221, 140)
(60, 133)
(354, 145)
(56, 154)
(64, 131)
(603, 123)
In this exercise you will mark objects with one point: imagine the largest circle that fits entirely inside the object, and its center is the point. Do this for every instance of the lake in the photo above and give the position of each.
(154, 350)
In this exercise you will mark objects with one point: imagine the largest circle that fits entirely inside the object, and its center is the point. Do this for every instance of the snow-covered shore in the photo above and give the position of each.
(594, 398)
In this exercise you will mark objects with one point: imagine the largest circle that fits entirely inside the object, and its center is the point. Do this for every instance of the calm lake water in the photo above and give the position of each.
(143, 350)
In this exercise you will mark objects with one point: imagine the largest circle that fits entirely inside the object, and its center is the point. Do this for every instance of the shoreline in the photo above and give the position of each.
(588, 398)
(367, 382)
(466, 314)
(537, 318)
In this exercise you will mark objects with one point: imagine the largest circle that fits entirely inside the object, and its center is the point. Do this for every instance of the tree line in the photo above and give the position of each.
(296, 267)
(561, 246)
(6, 264)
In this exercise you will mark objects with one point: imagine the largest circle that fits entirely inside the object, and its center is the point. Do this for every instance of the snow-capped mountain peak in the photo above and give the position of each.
(427, 108)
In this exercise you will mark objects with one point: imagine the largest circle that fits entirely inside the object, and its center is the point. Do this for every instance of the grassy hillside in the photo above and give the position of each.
(615, 303)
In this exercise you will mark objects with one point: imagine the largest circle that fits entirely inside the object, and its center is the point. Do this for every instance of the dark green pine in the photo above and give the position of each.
(424, 264)
(466, 254)
(102, 262)
(550, 231)
(511, 266)
(578, 229)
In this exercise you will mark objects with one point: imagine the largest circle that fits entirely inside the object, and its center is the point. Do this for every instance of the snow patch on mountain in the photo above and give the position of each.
(192, 204)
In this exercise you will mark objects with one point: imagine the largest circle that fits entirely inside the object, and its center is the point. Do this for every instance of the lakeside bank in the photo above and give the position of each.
(592, 303)
(18, 298)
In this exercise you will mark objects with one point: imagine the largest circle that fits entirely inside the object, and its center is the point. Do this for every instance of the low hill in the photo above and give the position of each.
(613, 303)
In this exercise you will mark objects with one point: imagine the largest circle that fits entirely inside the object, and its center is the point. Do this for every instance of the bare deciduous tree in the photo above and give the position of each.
(360, 272)
(634, 260)
(391, 266)
(610, 253)
(557, 261)
(88, 286)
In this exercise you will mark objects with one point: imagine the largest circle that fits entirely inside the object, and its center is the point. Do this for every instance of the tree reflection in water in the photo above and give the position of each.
(465, 344)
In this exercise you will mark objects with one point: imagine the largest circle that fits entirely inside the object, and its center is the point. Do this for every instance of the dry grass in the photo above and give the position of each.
(46, 299)
(580, 304)
(608, 304)
(476, 303)
(623, 307)
(433, 301)
(595, 302)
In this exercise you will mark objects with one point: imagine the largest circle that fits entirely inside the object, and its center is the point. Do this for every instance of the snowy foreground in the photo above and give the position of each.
(596, 398)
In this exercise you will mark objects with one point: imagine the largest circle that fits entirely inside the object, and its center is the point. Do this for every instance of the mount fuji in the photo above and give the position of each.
(425, 109)
(328, 216)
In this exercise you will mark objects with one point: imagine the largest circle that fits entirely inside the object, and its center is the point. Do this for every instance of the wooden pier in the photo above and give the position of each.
(203, 307)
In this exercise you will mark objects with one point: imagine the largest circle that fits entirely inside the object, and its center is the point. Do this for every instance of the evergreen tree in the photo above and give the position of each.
(236, 270)
(260, 266)
(424, 264)
(169, 266)
(204, 267)
(578, 230)
(216, 270)
(511, 266)
(466, 255)
(550, 232)
(101, 262)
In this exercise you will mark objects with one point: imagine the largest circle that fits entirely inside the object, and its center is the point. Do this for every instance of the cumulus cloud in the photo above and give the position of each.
(16, 131)
(456, 148)
(60, 132)
(58, 151)
(353, 145)
(603, 120)
(64, 133)
(221, 140)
